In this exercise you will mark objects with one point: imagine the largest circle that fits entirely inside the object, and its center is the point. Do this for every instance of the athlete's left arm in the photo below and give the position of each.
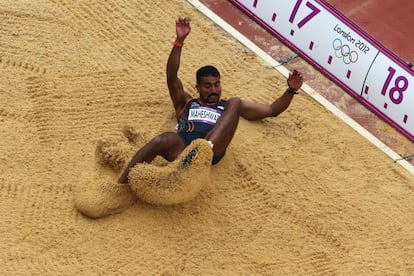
(257, 111)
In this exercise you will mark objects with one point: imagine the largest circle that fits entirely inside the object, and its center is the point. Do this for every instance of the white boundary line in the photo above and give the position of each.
(310, 91)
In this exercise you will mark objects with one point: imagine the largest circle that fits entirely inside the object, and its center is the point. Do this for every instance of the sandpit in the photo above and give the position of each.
(300, 194)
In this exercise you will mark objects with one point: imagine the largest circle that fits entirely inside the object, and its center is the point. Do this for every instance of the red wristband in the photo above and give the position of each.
(178, 43)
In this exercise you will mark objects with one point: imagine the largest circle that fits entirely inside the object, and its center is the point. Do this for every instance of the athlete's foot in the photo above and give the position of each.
(188, 159)
(179, 181)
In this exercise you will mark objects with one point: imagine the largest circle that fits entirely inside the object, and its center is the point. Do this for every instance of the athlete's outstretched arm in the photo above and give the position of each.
(175, 86)
(257, 111)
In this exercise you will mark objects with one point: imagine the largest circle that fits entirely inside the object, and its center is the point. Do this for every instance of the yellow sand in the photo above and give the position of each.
(103, 196)
(301, 194)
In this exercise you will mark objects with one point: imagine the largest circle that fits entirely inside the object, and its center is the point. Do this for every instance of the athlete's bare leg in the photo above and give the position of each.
(225, 128)
(168, 145)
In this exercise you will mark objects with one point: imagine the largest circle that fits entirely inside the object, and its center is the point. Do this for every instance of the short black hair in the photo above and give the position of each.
(206, 71)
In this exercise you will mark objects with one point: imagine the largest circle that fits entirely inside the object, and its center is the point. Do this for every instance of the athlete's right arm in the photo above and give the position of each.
(175, 86)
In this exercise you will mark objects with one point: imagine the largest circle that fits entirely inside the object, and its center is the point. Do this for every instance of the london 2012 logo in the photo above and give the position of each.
(343, 51)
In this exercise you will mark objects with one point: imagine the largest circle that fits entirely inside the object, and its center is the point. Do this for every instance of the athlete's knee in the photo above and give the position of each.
(234, 103)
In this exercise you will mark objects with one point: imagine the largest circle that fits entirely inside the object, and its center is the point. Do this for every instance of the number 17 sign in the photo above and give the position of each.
(343, 52)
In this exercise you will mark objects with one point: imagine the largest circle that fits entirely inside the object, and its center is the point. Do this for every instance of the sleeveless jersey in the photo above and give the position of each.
(196, 120)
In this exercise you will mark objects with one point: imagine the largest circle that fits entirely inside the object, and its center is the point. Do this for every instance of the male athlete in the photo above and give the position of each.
(208, 117)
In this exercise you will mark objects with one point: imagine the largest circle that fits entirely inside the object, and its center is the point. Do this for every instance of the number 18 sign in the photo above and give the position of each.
(343, 52)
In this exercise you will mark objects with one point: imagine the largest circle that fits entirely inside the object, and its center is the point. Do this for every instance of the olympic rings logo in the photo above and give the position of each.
(344, 52)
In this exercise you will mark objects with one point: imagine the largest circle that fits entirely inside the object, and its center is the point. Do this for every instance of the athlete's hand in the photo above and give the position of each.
(295, 80)
(183, 28)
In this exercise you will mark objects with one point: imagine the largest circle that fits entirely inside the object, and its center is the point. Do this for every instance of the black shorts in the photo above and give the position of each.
(188, 138)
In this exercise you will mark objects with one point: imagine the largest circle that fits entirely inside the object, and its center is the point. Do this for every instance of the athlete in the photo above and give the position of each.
(208, 117)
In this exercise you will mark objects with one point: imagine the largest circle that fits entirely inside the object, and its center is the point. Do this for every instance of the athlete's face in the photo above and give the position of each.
(209, 89)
